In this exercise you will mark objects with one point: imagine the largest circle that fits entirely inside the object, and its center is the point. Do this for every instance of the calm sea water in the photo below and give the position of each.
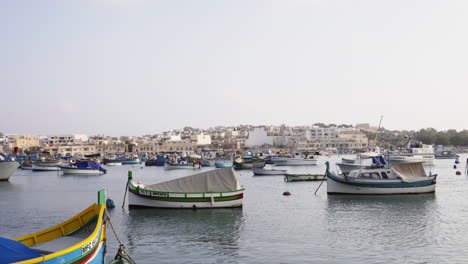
(270, 228)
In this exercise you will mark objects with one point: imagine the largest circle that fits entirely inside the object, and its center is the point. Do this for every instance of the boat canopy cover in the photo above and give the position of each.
(379, 161)
(161, 159)
(88, 164)
(410, 172)
(12, 251)
(219, 180)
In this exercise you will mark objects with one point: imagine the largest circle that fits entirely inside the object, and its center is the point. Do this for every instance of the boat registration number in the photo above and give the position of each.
(157, 194)
(88, 246)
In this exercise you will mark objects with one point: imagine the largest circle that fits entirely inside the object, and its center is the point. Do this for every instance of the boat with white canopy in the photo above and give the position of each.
(407, 178)
(211, 189)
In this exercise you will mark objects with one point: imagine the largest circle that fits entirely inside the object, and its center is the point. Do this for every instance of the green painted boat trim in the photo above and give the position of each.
(188, 199)
(102, 197)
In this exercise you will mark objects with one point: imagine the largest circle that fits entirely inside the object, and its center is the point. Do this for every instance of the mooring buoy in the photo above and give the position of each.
(110, 203)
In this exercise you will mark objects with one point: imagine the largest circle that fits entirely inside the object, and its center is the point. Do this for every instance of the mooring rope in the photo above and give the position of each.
(122, 252)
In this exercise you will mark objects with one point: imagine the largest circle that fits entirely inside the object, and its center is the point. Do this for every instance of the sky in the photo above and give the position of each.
(136, 67)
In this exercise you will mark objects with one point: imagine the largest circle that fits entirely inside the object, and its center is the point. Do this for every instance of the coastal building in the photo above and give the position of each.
(201, 139)
(71, 150)
(66, 140)
(21, 142)
(315, 133)
(111, 147)
(258, 137)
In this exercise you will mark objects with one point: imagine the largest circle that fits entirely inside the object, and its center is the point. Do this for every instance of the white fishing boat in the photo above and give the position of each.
(412, 154)
(265, 172)
(441, 153)
(296, 159)
(408, 178)
(7, 168)
(212, 189)
(83, 167)
(181, 165)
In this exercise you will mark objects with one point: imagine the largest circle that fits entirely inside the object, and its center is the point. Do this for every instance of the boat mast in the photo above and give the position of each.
(378, 131)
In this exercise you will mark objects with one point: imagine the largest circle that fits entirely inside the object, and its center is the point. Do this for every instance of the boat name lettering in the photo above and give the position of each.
(89, 246)
(149, 193)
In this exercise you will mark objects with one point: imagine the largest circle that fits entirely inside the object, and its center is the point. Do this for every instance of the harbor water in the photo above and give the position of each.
(270, 228)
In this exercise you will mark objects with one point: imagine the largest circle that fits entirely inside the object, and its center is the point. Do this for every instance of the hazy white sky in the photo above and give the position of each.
(133, 67)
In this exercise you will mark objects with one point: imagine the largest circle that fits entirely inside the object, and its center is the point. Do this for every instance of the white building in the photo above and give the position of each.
(201, 139)
(66, 140)
(319, 133)
(258, 137)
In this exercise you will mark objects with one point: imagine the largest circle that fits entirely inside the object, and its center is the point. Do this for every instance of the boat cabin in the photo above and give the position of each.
(372, 174)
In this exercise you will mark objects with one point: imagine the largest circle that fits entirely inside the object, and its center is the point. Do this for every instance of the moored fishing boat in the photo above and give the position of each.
(408, 178)
(7, 168)
(181, 165)
(243, 163)
(81, 239)
(265, 172)
(46, 165)
(211, 189)
(129, 161)
(413, 153)
(296, 159)
(26, 165)
(83, 167)
(223, 164)
(296, 162)
(159, 161)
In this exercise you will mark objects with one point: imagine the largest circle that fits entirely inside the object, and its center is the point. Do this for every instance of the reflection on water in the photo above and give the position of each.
(175, 233)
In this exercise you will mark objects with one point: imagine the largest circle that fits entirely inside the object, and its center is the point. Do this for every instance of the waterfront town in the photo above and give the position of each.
(334, 139)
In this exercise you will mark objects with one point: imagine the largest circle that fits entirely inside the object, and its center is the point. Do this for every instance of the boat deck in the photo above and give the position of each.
(64, 242)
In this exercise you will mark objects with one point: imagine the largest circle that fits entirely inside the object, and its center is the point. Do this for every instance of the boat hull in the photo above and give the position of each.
(154, 163)
(410, 159)
(168, 166)
(337, 185)
(130, 162)
(140, 198)
(246, 166)
(263, 172)
(7, 168)
(92, 171)
(296, 162)
(223, 164)
(72, 247)
(45, 168)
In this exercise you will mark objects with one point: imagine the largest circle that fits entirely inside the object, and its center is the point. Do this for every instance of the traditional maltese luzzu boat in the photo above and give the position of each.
(212, 189)
(81, 239)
